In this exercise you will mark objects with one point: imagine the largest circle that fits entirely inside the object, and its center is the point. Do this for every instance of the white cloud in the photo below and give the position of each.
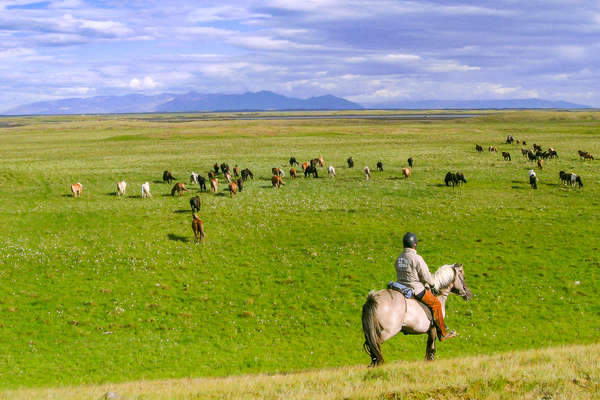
(142, 84)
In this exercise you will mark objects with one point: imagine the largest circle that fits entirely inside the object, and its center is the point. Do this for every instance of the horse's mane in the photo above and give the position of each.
(443, 277)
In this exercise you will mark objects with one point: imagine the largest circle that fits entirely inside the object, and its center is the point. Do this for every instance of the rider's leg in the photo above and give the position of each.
(438, 317)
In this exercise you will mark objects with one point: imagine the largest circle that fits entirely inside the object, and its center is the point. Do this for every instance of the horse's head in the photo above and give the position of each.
(460, 286)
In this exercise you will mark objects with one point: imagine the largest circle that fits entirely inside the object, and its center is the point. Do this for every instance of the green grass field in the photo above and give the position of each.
(105, 289)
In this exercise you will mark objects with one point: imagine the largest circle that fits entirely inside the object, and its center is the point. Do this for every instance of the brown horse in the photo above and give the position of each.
(506, 155)
(77, 189)
(214, 185)
(388, 312)
(276, 181)
(233, 187)
(406, 172)
(293, 173)
(198, 228)
(540, 163)
(179, 188)
(305, 165)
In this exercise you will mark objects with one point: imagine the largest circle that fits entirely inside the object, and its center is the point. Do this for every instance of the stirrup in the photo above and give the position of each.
(448, 335)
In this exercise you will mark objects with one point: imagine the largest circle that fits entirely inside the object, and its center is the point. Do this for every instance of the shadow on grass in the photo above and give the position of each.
(220, 194)
(396, 178)
(438, 185)
(135, 196)
(158, 182)
(178, 238)
(181, 211)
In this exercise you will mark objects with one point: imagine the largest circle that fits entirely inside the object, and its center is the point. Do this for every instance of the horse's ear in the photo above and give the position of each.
(457, 265)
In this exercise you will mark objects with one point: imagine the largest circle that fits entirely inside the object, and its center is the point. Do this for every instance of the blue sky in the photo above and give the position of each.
(370, 52)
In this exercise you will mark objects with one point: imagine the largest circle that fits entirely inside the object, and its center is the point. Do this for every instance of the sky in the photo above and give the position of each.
(369, 52)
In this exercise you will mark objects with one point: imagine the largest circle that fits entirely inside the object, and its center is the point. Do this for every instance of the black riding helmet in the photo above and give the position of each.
(410, 240)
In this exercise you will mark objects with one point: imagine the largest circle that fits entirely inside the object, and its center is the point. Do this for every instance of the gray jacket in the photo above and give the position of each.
(412, 270)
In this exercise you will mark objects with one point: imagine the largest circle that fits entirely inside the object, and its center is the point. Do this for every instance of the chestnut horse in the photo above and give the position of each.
(198, 228)
(388, 312)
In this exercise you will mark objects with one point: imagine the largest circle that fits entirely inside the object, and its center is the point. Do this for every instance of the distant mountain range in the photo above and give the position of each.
(253, 101)
(188, 102)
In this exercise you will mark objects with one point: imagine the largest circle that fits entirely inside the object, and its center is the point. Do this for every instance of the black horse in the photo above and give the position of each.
(293, 161)
(311, 170)
(247, 173)
(195, 204)
(240, 183)
(410, 162)
(168, 177)
(380, 166)
(202, 182)
(455, 178)
(224, 168)
(350, 162)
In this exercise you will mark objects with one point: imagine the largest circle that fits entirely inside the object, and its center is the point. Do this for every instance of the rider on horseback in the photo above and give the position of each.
(413, 271)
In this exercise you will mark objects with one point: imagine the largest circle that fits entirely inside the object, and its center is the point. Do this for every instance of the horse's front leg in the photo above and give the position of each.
(430, 351)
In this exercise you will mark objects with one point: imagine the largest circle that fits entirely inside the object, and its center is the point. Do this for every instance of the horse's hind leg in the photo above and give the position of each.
(430, 351)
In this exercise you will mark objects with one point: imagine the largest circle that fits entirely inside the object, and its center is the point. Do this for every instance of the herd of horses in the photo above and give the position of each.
(538, 155)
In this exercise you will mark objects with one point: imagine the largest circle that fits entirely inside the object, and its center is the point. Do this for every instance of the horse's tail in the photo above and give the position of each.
(372, 330)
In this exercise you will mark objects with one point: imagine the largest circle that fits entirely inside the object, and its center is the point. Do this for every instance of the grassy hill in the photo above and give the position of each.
(569, 372)
(106, 289)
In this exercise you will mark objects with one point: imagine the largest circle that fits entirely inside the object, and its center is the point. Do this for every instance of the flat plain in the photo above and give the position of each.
(105, 289)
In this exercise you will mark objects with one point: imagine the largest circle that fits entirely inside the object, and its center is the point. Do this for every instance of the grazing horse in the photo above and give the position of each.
(228, 176)
(211, 174)
(193, 177)
(311, 170)
(478, 148)
(305, 165)
(533, 180)
(293, 173)
(202, 182)
(276, 181)
(367, 172)
(540, 164)
(524, 152)
(350, 162)
(380, 166)
(146, 190)
(531, 155)
(493, 148)
(314, 162)
(454, 178)
(121, 188)
(198, 228)
(564, 177)
(506, 155)
(214, 185)
(195, 204)
(168, 177)
(406, 172)
(236, 171)
(179, 188)
(216, 168)
(331, 171)
(321, 161)
(233, 188)
(576, 179)
(224, 168)
(240, 183)
(277, 171)
(77, 189)
(588, 156)
(410, 162)
(293, 161)
(510, 139)
(247, 173)
(537, 147)
(387, 312)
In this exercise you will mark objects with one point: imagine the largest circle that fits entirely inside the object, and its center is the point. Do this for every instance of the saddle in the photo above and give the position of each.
(397, 286)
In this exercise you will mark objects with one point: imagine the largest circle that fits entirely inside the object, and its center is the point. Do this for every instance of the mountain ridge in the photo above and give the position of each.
(256, 101)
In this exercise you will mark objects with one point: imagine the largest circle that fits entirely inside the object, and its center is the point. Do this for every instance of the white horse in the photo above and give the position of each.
(194, 177)
(121, 188)
(367, 172)
(146, 190)
(387, 312)
(331, 171)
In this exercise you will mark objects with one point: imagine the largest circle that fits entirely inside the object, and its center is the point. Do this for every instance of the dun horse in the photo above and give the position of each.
(387, 312)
